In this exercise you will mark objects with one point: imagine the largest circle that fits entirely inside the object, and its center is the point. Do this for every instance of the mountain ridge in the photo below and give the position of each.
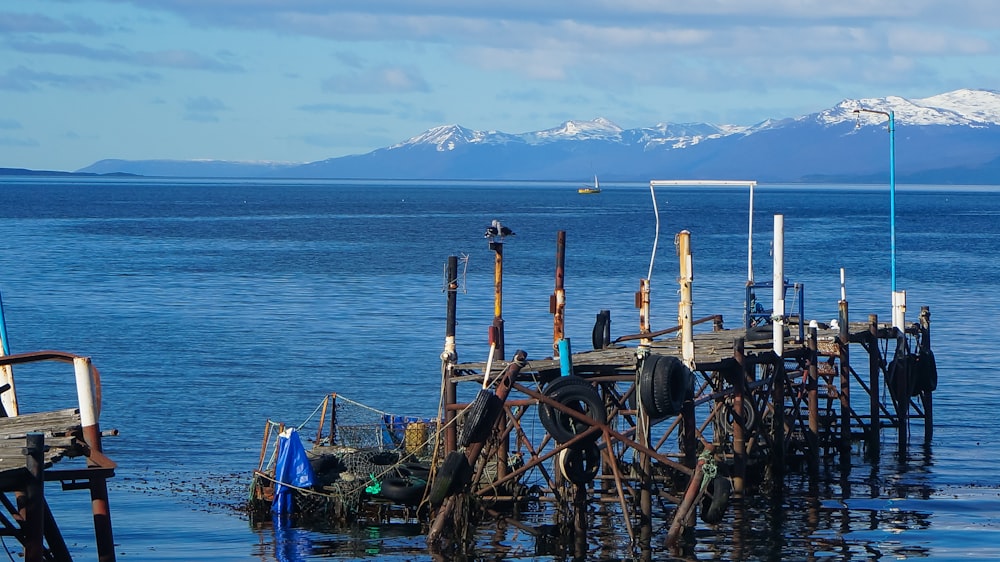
(957, 131)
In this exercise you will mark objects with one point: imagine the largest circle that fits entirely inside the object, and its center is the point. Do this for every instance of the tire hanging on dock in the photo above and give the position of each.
(927, 376)
(714, 504)
(579, 466)
(454, 474)
(900, 366)
(664, 384)
(578, 394)
(481, 417)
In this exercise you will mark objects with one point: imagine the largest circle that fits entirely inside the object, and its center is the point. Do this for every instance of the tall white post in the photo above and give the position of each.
(778, 300)
(685, 306)
(899, 310)
(750, 238)
(85, 392)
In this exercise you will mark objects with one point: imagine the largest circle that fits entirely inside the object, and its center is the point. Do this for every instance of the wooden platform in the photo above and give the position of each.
(63, 438)
(711, 349)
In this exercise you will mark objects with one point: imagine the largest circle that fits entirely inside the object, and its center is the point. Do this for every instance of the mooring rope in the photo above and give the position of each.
(709, 469)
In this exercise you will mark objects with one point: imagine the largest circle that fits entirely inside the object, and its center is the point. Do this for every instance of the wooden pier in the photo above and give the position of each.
(695, 415)
(32, 444)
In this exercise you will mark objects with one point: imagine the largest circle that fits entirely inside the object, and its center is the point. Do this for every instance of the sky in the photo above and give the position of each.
(306, 80)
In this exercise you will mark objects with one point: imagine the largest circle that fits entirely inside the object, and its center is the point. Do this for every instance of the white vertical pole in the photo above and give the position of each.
(899, 310)
(843, 287)
(85, 392)
(750, 240)
(685, 306)
(778, 300)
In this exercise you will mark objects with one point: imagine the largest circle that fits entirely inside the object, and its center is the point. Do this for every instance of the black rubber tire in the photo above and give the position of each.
(385, 458)
(579, 466)
(713, 507)
(664, 384)
(481, 417)
(673, 383)
(454, 473)
(600, 327)
(404, 491)
(419, 470)
(927, 377)
(578, 394)
(896, 366)
(644, 384)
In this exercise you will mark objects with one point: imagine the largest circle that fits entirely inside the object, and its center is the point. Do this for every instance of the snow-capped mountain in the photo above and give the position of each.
(971, 108)
(952, 137)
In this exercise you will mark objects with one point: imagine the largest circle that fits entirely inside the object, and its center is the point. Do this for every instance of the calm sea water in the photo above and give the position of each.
(210, 306)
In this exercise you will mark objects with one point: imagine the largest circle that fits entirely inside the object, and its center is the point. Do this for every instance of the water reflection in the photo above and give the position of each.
(851, 510)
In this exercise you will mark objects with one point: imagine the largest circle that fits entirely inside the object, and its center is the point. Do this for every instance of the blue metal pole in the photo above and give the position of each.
(892, 192)
(3, 330)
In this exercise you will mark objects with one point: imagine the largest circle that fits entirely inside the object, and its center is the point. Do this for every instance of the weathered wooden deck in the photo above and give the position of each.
(63, 438)
(711, 349)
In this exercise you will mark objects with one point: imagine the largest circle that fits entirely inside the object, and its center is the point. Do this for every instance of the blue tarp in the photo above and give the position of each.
(292, 468)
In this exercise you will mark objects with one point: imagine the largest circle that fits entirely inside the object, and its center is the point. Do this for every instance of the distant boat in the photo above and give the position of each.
(596, 188)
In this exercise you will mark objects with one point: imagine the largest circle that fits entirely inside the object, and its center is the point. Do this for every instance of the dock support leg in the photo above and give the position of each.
(902, 382)
(812, 388)
(33, 506)
(843, 347)
(57, 545)
(102, 520)
(687, 504)
(449, 356)
(739, 439)
(92, 436)
(778, 429)
(874, 369)
(926, 395)
(645, 470)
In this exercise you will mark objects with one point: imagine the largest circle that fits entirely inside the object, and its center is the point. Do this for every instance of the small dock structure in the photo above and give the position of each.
(660, 424)
(33, 445)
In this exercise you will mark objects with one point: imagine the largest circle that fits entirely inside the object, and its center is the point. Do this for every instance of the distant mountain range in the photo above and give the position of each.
(951, 138)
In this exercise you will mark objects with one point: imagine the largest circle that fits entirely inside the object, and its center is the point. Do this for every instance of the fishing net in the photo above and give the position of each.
(354, 449)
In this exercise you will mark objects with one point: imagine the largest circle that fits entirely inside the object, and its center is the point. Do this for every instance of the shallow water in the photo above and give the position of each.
(210, 306)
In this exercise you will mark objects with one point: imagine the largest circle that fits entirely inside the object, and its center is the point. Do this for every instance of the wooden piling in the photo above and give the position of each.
(843, 350)
(32, 510)
(926, 397)
(902, 384)
(92, 435)
(779, 378)
(874, 372)
(557, 306)
(739, 440)
(449, 356)
(813, 401)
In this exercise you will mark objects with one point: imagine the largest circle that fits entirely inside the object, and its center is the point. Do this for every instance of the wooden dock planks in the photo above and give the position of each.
(63, 438)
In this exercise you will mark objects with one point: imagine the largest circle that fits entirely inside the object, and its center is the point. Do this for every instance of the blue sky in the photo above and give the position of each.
(304, 80)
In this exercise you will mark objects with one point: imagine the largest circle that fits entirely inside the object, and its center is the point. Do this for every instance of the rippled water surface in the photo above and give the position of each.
(210, 306)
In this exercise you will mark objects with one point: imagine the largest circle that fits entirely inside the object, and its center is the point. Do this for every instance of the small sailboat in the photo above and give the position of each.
(596, 188)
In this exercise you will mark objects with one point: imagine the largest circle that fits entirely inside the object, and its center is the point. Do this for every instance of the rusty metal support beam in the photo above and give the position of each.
(739, 439)
(843, 350)
(874, 370)
(813, 401)
(557, 306)
(32, 502)
(926, 396)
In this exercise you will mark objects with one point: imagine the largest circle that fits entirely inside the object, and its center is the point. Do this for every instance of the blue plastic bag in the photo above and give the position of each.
(291, 469)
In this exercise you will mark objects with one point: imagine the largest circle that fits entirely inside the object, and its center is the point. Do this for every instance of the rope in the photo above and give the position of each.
(318, 408)
(353, 403)
(709, 469)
